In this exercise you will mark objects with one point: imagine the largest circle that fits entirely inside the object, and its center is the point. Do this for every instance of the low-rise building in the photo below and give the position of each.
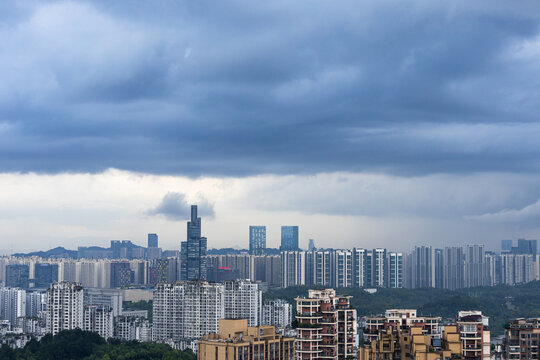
(393, 342)
(475, 335)
(403, 318)
(521, 339)
(237, 341)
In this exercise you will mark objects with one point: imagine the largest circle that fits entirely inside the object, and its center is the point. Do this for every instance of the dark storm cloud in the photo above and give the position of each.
(240, 88)
(174, 206)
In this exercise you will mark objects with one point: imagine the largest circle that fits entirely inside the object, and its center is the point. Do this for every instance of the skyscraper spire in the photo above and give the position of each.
(193, 250)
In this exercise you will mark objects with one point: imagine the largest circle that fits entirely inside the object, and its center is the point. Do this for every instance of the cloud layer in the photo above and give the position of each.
(175, 207)
(242, 88)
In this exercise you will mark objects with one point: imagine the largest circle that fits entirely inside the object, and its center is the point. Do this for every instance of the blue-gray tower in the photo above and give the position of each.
(193, 250)
(257, 240)
(289, 238)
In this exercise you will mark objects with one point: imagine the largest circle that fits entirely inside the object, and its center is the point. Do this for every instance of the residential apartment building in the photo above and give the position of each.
(187, 310)
(238, 341)
(474, 334)
(326, 326)
(394, 342)
(99, 319)
(12, 304)
(277, 313)
(65, 307)
(403, 319)
(394, 272)
(127, 327)
(243, 300)
(522, 338)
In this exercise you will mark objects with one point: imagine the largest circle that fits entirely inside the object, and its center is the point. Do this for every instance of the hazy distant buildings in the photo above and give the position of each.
(293, 270)
(529, 247)
(193, 250)
(453, 268)
(506, 245)
(17, 275)
(311, 245)
(395, 270)
(45, 274)
(377, 262)
(289, 238)
(257, 241)
(420, 267)
(152, 240)
(121, 274)
(475, 266)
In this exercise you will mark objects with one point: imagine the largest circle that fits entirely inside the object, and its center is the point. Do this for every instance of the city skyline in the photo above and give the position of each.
(394, 123)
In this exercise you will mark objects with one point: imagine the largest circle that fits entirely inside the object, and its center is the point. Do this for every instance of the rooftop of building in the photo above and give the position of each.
(236, 331)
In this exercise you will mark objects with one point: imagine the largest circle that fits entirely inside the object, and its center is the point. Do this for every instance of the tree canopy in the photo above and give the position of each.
(84, 345)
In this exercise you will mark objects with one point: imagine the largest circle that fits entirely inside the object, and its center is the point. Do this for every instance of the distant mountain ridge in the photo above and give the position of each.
(57, 252)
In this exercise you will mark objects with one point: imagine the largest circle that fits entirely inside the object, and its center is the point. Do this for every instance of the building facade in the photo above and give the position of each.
(236, 341)
(326, 326)
(289, 238)
(277, 313)
(65, 307)
(187, 310)
(257, 240)
(193, 250)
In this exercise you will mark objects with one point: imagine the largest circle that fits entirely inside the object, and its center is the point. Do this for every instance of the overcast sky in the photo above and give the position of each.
(368, 124)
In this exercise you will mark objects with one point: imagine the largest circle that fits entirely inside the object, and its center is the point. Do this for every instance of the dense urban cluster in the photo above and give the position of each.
(213, 303)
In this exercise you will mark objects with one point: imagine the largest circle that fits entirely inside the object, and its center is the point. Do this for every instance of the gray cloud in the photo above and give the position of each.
(528, 215)
(402, 88)
(174, 207)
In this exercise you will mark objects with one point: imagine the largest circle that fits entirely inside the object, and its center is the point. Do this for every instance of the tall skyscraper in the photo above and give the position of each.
(289, 238)
(193, 251)
(152, 240)
(311, 245)
(257, 240)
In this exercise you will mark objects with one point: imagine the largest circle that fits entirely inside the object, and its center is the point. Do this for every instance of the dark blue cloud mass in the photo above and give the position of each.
(239, 88)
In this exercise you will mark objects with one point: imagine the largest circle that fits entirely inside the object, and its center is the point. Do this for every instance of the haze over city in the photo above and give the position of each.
(381, 124)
